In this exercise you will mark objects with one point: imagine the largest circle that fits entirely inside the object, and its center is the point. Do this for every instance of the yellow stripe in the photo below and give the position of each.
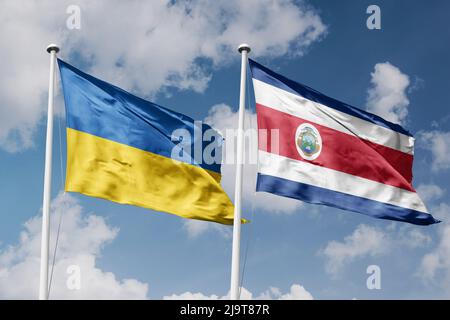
(106, 169)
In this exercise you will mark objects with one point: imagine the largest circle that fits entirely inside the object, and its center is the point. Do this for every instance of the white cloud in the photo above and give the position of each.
(81, 241)
(25, 31)
(412, 238)
(368, 241)
(434, 269)
(191, 296)
(296, 292)
(441, 211)
(435, 265)
(194, 228)
(364, 241)
(143, 46)
(387, 96)
(438, 143)
(430, 192)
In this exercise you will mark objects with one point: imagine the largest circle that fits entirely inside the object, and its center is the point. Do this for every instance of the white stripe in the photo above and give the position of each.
(287, 102)
(305, 172)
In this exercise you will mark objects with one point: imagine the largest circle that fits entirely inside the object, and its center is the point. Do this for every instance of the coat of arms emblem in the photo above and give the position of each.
(308, 141)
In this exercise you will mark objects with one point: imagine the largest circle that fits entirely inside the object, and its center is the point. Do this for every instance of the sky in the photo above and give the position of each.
(182, 55)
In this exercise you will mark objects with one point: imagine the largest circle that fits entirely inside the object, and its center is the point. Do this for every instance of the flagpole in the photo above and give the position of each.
(244, 49)
(43, 280)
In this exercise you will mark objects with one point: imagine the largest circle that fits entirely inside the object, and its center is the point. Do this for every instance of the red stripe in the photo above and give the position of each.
(340, 151)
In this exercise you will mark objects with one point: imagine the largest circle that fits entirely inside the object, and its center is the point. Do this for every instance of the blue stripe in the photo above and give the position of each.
(104, 110)
(317, 195)
(266, 75)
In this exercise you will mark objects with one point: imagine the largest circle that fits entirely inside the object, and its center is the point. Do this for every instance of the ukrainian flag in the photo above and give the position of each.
(122, 148)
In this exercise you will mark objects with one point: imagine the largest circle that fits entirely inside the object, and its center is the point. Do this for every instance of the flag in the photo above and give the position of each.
(330, 153)
(128, 150)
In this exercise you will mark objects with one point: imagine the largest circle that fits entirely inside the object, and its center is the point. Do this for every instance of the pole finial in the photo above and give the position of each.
(244, 47)
(52, 47)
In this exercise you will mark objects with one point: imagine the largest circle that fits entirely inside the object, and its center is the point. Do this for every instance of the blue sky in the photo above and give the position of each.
(324, 250)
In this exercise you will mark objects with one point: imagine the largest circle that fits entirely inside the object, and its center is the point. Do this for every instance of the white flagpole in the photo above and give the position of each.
(244, 49)
(43, 280)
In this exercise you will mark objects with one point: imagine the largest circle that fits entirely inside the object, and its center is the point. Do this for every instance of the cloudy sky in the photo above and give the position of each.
(183, 55)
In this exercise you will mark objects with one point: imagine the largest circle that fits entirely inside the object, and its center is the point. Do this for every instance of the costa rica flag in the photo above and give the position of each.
(323, 151)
